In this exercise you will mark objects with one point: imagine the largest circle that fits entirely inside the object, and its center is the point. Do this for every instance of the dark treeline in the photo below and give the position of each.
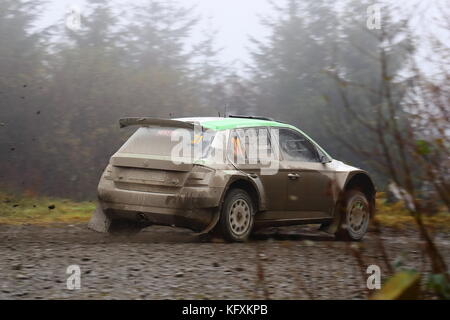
(62, 91)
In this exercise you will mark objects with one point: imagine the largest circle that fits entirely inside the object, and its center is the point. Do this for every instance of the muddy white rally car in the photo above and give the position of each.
(230, 174)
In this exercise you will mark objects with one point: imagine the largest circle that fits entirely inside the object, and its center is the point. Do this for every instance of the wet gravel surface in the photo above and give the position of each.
(168, 263)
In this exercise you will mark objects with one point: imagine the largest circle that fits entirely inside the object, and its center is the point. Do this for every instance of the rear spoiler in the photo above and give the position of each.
(155, 122)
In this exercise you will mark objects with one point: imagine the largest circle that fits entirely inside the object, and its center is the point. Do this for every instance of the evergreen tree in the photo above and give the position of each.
(287, 69)
(22, 53)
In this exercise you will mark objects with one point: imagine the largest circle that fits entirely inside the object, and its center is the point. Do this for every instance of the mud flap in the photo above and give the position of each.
(99, 221)
(212, 225)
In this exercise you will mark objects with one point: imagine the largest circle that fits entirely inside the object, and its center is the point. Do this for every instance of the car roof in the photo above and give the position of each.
(217, 123)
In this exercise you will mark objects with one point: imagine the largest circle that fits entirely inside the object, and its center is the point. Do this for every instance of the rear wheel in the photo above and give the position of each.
(237, 216)
(355, 216)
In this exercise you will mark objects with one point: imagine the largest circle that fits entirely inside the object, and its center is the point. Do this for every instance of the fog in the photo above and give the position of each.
(314, 64)
(233, 20)
(368, 81)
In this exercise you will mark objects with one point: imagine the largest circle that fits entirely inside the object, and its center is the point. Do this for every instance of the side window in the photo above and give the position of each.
(250, 146)
(295, 147)
(236, 147)
(265, 148)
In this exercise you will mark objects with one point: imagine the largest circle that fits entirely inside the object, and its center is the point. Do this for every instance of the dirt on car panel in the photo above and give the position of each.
(206, 198)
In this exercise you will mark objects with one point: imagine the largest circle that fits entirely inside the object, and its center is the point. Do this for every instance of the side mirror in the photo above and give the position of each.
(324, 159)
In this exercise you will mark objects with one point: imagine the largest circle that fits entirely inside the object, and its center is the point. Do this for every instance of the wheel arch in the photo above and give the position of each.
(249, 185)
(362, 181)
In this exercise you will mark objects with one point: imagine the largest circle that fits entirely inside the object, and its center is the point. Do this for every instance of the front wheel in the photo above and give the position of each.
(237, 216)
(355, 216)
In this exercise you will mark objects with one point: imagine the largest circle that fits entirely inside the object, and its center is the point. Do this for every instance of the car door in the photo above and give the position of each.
(250, 150)
(309, 181)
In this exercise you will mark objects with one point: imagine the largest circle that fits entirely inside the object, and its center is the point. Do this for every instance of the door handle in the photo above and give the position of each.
(293, 176)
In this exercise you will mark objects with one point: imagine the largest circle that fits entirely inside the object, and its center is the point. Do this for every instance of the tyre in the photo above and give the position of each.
(355, 216)
(237, 216)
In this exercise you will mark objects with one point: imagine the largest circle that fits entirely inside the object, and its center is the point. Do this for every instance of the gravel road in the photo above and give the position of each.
(168, 263)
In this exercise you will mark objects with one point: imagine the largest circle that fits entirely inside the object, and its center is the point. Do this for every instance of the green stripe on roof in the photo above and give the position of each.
(232, 123)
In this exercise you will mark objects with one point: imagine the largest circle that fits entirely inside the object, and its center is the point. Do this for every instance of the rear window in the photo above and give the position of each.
(162, 141)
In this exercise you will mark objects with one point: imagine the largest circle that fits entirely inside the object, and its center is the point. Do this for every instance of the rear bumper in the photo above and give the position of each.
(191, 207)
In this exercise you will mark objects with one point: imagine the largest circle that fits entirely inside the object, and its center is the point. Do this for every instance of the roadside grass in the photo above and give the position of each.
(395, 215)
(29, 209)
(23, 209)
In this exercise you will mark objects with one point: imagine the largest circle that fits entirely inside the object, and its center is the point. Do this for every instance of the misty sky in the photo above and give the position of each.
(234, 20)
